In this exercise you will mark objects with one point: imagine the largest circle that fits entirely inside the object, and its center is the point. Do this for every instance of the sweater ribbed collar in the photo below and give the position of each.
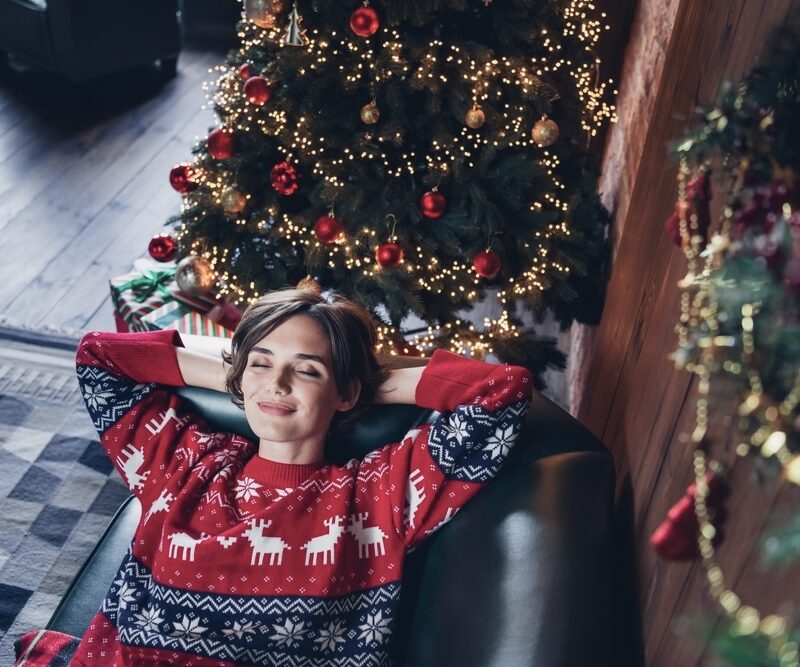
(280, 475)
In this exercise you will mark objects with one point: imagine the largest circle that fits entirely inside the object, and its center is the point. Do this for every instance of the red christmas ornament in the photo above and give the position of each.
(676, 537)
(364, 22)
(284, 178)
(246, 71)
(389, 255)
(181, 177)
(220, 144)
(257, 91)
(698, 196)
(162, 248)
(486, 263)
(327, 228)
(433, 204)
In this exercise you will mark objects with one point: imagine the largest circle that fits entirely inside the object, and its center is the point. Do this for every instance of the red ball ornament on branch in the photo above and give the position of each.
(327, 228)
(284, 178)
(676, 537)
(181, 178)
(433, 204)
(487, 263)
(162, 248)
(257, 90)
(364, 22)
(220, 144)
(246, 71)
(389, 255)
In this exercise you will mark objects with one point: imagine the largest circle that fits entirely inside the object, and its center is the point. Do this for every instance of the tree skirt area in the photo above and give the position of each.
(58, 489)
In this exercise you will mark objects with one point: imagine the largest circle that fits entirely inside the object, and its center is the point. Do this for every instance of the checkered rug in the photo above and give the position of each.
(58, 489)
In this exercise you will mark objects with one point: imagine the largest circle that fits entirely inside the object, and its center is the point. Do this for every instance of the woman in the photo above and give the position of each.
(263, 553)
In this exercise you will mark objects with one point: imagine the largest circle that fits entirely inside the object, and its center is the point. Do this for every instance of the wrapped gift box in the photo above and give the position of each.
(146, 289)
(177, 315)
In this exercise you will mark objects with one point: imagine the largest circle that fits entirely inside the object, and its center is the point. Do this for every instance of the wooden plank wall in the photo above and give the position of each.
(628, 392)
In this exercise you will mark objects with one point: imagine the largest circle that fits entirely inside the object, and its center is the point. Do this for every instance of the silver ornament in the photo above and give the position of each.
(195, 275)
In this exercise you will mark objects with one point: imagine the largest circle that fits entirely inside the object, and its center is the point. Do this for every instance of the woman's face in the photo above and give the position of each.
(290, 394)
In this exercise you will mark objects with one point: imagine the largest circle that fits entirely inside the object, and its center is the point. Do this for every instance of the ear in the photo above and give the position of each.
(348, 402)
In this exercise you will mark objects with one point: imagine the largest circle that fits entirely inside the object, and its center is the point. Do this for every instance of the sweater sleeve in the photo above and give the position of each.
(434, 471)
(124, 380)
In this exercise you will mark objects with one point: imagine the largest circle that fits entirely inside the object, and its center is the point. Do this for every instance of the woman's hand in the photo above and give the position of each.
(202, 370)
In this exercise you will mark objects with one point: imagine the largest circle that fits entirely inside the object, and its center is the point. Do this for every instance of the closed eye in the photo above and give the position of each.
(311, 373)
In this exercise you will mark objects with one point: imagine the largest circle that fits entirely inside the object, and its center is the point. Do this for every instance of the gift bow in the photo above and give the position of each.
(150, 281)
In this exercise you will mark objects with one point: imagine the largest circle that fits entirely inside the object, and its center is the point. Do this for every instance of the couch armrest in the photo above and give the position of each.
(88, 590)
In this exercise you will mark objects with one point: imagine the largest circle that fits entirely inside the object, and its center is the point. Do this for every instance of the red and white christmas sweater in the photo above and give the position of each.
(242, 560)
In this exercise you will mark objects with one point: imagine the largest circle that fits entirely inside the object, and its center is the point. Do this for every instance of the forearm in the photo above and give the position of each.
(201, 370)
(400, 386)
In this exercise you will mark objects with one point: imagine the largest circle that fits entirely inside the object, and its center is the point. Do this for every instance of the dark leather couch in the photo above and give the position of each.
(523, 575)
(84, 39)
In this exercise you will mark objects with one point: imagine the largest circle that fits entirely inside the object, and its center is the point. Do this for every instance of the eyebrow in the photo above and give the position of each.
(299, 355)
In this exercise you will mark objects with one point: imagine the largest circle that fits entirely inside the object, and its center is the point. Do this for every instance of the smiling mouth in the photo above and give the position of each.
(275, 409)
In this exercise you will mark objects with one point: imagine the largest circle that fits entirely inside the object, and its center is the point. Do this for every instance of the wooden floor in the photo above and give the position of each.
(84, 183)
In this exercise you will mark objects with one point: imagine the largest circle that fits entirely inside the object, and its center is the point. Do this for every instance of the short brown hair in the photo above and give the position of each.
(348, 326)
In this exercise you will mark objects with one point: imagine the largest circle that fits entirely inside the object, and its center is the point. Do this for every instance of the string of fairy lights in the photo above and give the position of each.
(371, 64)
(762, 423)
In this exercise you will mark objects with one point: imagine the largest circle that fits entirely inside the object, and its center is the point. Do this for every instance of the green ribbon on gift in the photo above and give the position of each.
(143, 287)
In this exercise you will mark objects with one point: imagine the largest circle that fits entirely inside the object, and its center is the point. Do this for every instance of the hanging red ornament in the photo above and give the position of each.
(676, 537)
(698, 196)
(181, 177)
(162, 248)
(389, 255)
(327, 228)
(284, 178)
(257, 91)
(433, 204)
(486, 263)
(221, 144)
(364, 22)
(246, 71)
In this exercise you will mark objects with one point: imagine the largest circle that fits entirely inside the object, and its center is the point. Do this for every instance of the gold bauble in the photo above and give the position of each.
(262, 12)
(233, 201)
(370, 114)
(309, 283)
(195, 275)
(475, 118)
(545, 132)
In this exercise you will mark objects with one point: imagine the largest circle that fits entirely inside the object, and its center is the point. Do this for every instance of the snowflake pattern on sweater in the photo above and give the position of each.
(240, 560)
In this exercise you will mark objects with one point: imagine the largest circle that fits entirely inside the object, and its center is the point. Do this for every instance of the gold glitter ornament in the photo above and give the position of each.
(263, 12)
(475, 118)
(370, 113)
(545, 132)
(195, 275)
(233, 201)
(310, 283)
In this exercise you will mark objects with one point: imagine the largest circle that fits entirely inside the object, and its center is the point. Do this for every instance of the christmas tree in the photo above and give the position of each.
(417, 156)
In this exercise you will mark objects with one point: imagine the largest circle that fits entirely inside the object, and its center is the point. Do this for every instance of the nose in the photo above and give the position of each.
(279, 384)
